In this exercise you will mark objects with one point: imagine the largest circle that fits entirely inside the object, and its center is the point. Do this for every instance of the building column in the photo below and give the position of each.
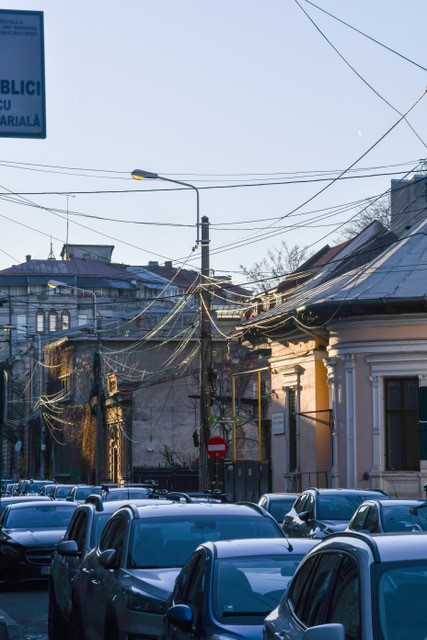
(330, 364)
(350, 421)
(377, 439)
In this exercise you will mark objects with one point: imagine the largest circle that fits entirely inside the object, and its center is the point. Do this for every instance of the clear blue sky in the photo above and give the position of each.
(219, 94)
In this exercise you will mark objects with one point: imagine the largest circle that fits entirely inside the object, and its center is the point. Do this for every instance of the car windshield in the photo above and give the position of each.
(279, 507)
(340, 506)
(39, 517)
(83, 492)
(401, 592)
(168, 542)
(62, 492)
(404, 517)
(254, 586)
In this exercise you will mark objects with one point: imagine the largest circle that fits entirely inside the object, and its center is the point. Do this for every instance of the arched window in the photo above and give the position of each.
(40, 321)
(65, 320)
(53, 321)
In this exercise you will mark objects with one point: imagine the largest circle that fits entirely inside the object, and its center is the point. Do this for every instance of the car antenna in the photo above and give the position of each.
(290, 547)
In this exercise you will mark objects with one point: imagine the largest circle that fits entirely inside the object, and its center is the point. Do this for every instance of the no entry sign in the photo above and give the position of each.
(216, 447)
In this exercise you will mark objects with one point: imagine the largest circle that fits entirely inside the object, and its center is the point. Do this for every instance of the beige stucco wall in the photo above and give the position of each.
(361, 354)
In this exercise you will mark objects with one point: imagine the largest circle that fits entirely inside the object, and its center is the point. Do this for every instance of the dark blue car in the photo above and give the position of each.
(227, 587)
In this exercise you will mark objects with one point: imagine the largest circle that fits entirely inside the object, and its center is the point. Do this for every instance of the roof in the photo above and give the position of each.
(260, 546)
(397, 274)
(181, 277)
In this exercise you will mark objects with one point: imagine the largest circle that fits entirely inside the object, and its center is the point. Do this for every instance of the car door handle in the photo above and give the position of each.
(96, 582)
(88, 571)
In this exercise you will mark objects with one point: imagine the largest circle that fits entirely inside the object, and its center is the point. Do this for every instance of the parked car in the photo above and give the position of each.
(379, 516)
(61, 491)
(29, 533)
(124, 582)
(20, 486)
(227, 587)
(355, 586)
(82, 534)
(278, 504)
(126, 493)
(6, 500)
(80, 492)
(196, 496)
(32, 487)
(317, 513)
(47, 490)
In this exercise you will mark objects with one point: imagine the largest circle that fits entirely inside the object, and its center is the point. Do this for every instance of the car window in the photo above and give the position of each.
(359, 518)
(309, 504)
(183, 580)
(300, 503)
(312, 609)
(196, 591)
(40, 517)
(300, 585)
(107, 538)
(78, 529)
(345, 603)
(371, 521)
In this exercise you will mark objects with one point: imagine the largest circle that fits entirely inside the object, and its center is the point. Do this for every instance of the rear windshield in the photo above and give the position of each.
(341, 507)
(168, 542)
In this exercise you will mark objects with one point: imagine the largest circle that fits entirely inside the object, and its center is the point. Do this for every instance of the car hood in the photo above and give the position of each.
(35, 537)
(157, 582)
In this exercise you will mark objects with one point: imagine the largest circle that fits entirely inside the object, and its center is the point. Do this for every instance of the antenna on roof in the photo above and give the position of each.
(51, 255)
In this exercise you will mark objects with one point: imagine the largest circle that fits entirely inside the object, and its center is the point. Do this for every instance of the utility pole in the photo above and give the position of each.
(99, 401)
(205, 355)
(42, 424)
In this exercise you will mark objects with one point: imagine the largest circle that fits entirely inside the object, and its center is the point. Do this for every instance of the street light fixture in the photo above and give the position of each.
(140, 174)
(205, 323)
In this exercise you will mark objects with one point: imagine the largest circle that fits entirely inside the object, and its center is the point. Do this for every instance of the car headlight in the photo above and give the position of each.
(8, 550)
(138, 601)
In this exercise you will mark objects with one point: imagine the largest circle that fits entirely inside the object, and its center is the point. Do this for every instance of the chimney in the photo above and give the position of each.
(28, 258)
(153, 263)
(168, 263)
(407, 203)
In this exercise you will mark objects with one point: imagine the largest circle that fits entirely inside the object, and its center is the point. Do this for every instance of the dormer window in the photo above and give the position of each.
(65, 320)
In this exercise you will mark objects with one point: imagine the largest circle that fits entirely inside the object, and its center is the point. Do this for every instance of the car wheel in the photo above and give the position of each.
(56, 628)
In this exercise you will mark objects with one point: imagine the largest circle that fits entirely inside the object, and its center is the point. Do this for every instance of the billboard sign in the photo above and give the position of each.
(22, 79)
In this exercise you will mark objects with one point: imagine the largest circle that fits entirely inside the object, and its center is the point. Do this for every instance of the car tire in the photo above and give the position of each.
(56, 629)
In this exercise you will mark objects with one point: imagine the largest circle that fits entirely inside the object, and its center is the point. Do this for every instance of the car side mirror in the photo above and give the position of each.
(108, 559)
(325, 632)
(68, 548)
(305, 515)
(180, 616)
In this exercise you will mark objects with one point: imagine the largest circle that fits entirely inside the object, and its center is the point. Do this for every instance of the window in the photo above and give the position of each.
(82, 319)
(312, 606)
(40, 321)
(65, 320)
(292, 430)
(401, 424)
(344, 607)
(21, 327)
(53, 321)
(359, 520)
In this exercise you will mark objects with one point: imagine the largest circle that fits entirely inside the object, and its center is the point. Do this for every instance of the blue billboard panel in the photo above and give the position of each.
(22, 79)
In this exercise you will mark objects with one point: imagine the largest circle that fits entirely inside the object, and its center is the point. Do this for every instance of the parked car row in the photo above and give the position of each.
(190, 565)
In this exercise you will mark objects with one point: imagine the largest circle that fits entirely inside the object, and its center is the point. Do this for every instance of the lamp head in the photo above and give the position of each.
(139, 174)
(53, 284)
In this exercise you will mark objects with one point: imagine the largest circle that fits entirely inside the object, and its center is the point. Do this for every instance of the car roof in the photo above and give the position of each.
(32, 503)
(385, 547)
(101, 506)
(339, 491)
(259, 546)
(203, 508)
(278, 495)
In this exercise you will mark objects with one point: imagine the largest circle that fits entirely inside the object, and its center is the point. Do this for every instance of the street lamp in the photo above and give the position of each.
(205, 323)
(54, 284)
(139, 174)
